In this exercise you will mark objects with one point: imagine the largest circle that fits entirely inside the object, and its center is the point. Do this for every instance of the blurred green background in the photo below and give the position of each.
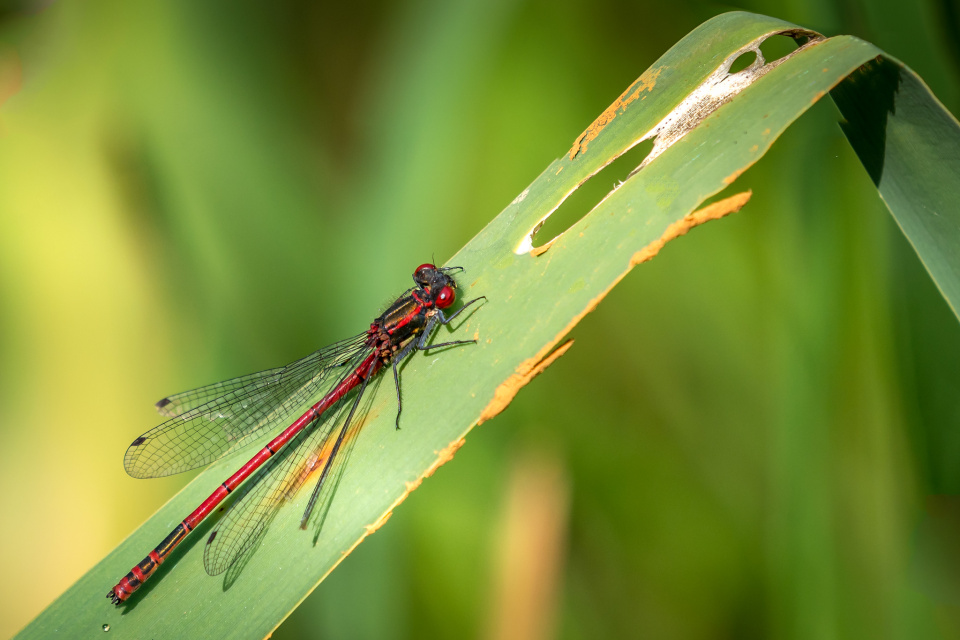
(756, 435)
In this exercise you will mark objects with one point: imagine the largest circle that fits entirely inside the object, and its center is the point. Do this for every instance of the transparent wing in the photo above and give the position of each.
(281, 478)
(180, 403)
(208, 422)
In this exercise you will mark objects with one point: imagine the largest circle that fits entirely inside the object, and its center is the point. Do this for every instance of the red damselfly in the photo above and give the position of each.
(206, 423)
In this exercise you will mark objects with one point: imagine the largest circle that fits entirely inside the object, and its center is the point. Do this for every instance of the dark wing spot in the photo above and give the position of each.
(161, 404)
(139, 441)
(212, 536)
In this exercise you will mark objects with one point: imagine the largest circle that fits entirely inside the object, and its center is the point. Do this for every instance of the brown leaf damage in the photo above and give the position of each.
(444, 456)
(527, 371)
(646, 82)
(713, 211)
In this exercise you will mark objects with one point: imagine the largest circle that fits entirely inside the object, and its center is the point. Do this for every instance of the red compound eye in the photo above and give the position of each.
(419, 272)
(446, 297)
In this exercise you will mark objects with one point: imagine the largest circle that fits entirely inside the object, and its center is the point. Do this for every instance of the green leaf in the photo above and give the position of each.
(910, 145)
(710, 127)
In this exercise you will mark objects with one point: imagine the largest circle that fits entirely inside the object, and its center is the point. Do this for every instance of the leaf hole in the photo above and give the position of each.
(590, 193)
(743, 61)
(776, 47)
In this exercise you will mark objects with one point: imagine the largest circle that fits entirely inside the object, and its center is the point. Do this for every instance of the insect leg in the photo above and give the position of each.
(443, 319)
(335, 450)
(431, 326)
(397, 359)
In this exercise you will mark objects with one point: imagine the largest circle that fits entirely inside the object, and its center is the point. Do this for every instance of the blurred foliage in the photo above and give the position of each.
(755, 434)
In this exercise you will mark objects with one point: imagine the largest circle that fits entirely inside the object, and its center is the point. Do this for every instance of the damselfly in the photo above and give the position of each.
(206, 423)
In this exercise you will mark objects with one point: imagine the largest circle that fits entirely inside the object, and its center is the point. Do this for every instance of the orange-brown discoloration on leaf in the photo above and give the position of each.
(527, 371)
(443, 457)
(316, 461)
(730, 179)
(713, 211)
(372, 528)
(646, 82)
(542, 248)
